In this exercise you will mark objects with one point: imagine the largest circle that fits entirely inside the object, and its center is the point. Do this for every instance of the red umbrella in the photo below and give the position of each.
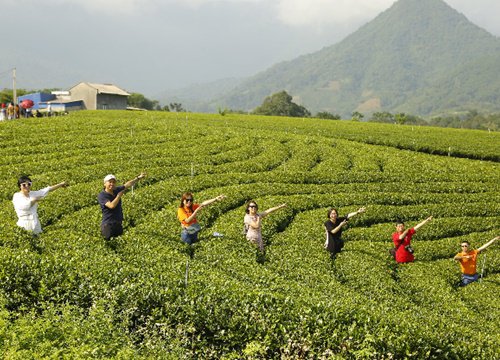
(27, 103)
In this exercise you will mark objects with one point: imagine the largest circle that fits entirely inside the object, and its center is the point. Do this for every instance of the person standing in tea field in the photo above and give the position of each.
(253, 222)
(26, 203)
(10, 111)
(3, 113)
(187, 212)
(111, 205)
(468, 259)
(403, 252)
(333, 228)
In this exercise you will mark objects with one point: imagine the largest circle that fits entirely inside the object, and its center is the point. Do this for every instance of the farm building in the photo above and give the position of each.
(60, 101)
(39, 99)
(100, 96)
(62, 105)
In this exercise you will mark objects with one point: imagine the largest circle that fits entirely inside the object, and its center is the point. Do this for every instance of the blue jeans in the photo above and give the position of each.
(467, 279)
(189, 238)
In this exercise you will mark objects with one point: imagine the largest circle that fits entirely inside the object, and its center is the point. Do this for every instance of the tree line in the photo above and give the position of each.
(282, 104)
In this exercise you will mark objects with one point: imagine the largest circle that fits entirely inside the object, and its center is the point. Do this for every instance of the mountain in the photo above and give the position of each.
(419, 56)
(197, 96)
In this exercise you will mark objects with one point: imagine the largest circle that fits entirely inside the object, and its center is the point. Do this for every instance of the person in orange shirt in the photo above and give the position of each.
(468, 259)
(187, 212)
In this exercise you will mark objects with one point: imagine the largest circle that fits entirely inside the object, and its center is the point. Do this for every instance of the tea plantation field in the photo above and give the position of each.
(68, 295)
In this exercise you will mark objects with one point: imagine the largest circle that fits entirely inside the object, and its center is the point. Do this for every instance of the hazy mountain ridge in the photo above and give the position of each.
(419, 56)
(196, 95)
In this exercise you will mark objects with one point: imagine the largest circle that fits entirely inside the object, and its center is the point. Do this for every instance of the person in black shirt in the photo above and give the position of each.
(111, 205)
(333, 227)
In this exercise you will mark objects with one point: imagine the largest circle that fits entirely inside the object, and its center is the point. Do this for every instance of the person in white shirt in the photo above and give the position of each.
(26, 203)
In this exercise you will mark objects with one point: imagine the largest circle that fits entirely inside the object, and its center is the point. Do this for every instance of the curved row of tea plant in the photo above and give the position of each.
(147, 295)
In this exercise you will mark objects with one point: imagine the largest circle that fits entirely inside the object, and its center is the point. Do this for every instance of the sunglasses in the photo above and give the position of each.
(190, 200)
(253, 206)
(26, 184)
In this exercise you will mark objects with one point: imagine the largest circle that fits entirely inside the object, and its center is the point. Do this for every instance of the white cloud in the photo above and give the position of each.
(198, 3)
(291, 12)
(109, 6)
(315, 14)
(128, 6)
(323, 12)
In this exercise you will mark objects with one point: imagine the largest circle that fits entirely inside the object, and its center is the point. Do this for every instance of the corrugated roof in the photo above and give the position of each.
(106, 88)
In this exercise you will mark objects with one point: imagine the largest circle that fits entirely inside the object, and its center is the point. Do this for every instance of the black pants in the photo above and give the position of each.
(109, 230)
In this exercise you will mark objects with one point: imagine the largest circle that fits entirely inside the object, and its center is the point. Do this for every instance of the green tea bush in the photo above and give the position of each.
(68, 293)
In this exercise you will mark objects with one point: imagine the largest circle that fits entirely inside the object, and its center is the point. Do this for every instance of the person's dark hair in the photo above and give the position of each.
(22, 179)
(465, 242)
(184, 197)
(248, 206)
(399, 221)
(330, 212)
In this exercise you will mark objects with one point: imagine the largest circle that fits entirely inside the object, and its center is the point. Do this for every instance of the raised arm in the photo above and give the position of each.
(482, 248)
(273, 209)
(57, 186)
(208, 202)
(360, 211)
(418, 226)
(134, 181)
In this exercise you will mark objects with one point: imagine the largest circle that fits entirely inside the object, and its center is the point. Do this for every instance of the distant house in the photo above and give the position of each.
(60, 101)
(62, 105)
(38, 99)
(100, 96)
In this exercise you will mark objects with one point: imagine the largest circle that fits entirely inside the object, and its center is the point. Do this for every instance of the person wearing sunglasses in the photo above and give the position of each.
(333, 228)
(111, 205)
(402, 241)
(26, 203)
(468, 259)
(187, 212)
(253, 222)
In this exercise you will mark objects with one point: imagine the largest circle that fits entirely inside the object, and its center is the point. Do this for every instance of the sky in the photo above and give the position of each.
(149, 46)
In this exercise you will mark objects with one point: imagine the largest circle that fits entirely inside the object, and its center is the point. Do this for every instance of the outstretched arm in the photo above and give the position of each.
(360, 211)
(273, 209)
(35, 199)
(134, 181)
(57, 186)
(202, 205)
(208, 202)
(418, 226)
(482, 248)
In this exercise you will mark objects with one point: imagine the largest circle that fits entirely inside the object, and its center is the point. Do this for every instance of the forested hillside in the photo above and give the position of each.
(420, 57)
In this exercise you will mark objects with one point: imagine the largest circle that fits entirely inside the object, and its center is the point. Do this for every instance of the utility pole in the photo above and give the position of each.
(14, 93)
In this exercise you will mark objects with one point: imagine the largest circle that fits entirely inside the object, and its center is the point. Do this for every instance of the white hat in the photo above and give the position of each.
(109, 177)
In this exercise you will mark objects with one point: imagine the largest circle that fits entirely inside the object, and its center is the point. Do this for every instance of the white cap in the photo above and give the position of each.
(109, 177)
